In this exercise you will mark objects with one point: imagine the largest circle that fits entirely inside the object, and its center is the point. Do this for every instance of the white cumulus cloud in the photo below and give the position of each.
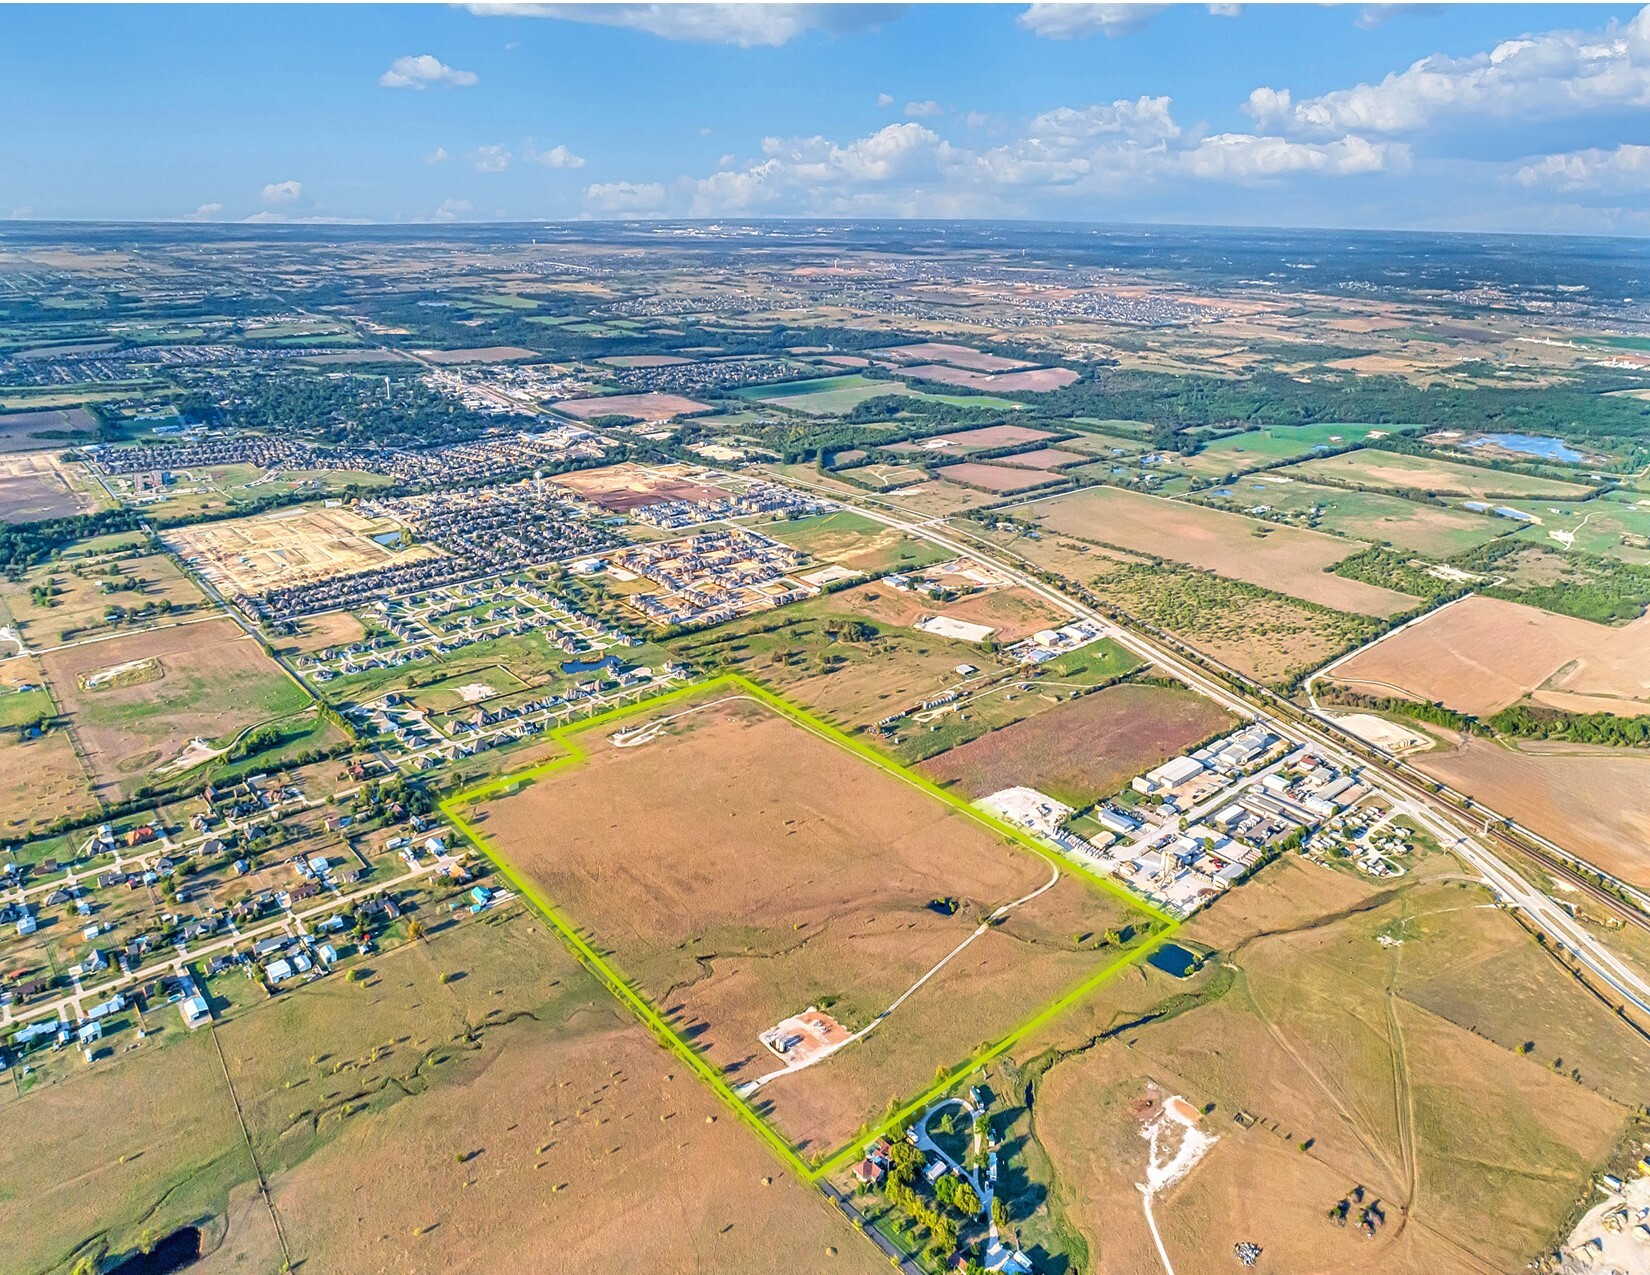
(1532, 77)
(490, 159)
(453, 209)
(437, 156)
(624, 197)
(204, 213)
(1626, 168)
(555, 157)
(282, 192)
(1061, 21)
(423, 70)
(923, 110)
(744, 25)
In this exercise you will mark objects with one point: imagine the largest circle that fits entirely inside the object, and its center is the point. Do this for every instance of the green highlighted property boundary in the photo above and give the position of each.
(454, 807)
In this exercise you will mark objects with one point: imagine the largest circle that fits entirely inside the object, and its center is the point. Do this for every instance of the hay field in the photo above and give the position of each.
(1033, 380)
(1482, 654)
(1044, 458)
(1385, 1066)
(47, 429)
(1086, 748)
(1281, 558)
(1432, 475)
(1439, 531)
(739, 868)
(161, 689)
(1595, 802)
(1253, 449)
(964, 442)
(41, 781)
(287, 547)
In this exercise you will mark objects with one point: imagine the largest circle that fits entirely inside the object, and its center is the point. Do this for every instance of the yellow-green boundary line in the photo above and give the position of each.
(566, 735)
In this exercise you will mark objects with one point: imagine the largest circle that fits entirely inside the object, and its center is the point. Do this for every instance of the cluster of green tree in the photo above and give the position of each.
(1173, 402)
(1532, 721)
(1416, 710)
(261, 739)
(1389, 569)
(1573, 583)
(394, 410)
(23, 545)
(931, 1215)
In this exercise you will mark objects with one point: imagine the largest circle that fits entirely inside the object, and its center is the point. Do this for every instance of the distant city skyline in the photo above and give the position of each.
(1474, 117)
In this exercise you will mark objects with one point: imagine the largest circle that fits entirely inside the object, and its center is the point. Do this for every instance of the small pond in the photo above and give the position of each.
(1173, 959)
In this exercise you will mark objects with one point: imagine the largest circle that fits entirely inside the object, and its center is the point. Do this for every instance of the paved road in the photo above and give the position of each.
(1386, 776)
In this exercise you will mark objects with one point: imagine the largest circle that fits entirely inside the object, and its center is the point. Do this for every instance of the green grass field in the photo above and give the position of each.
(1237, 453)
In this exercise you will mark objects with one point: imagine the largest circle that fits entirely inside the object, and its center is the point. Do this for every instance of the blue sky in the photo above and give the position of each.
(1471, 117)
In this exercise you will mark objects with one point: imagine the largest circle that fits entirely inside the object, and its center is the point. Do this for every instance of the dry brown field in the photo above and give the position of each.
(481, 354)
(318, 632)
(207, 680)
(1595, 802)
(998, 478)
(1426, 473)
(1282, 558)
(1084, 749)
(32, 488)
(1360, 1064)
(1044, 458)
(643, 360)
(646, 407)
(1035, 380)
(1014, 613)
(972, 440)
(956, 355)
(626, 486)
(476, 1103)
(936, 499)
(286, 547)
(1482, 654)
(41, 781)
(739, 869)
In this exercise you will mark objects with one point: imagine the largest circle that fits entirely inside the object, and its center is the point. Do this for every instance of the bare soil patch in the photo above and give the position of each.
(626, 486)
(998, 478)
(480, 354)
(962, 356)
(646, 407)
(1483, 654)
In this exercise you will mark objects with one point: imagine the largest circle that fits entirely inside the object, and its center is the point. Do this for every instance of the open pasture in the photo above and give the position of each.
(1044, 458)
(851, 540)
(286, 547)
(1257, 448)
(1438, 531)
(1282, 558)
(135, 702)
(1354, 1061)
(825, 395)
(1432, 476)
(739, 867)
(58, 601)
(1032, 380)
(1616, 525)
(1481, 654)
(1086, 748)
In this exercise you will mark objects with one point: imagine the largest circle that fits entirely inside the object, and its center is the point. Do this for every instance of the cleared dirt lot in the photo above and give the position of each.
(1085, 749)
(973, 440)
(1482, 654)
(740, 868)
(646, 407)
(956, 355)
(32, 488)
(287, 547)
(1282, 558)
(135, 702)
(1013, 613)
(1000, 478)
(621, 488)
